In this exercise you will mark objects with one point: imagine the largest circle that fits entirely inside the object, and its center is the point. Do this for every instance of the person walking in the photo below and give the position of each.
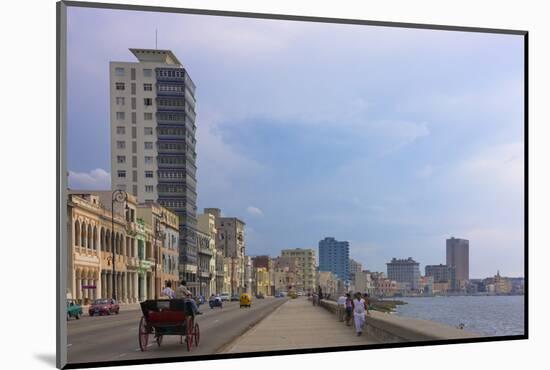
(359, 313)
(341, 307)
(349, 308)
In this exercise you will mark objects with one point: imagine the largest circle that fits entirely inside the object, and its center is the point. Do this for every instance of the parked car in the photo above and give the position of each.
(104, 307)
(215, 301)
(260, 296)
(225, 297)
(73, 309)
(235, 297)
(279, 295)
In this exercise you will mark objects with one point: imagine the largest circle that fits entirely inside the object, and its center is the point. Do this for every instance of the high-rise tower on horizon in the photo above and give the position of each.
(334, 257)
(458, 256)
(153, 139)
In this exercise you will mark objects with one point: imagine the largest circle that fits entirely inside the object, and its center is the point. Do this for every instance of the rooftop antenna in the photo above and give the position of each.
(156, 39)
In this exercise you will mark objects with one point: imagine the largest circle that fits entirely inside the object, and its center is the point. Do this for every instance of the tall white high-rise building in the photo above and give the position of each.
(153, 139)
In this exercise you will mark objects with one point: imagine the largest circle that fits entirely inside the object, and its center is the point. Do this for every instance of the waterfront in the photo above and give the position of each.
(488, 315)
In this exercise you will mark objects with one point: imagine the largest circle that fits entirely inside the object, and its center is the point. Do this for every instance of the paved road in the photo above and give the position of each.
(115, 337)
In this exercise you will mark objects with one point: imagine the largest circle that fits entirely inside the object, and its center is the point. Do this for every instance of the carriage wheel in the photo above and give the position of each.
(189, 333)
(197, 334)
(143, 335)
(159, 340)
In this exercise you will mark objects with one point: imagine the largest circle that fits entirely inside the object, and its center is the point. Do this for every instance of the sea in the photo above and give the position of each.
(487, 315)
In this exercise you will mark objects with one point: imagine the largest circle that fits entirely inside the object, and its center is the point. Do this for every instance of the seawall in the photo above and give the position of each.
(388, 328)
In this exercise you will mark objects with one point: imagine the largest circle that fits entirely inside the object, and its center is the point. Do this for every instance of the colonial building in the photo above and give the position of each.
(206, 223)
(92, 241)
(307, 280)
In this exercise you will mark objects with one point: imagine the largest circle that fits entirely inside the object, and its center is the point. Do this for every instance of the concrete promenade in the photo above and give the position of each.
(298, 324)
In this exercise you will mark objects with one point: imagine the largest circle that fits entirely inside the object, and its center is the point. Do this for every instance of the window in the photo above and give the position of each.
(148, 116)
(147, 72)
(148, 160)
(121, 144)
(119, 85)
(149, 174)
(133, 73)
(133, 88)
(120, 115)
(121, 159)
(148, 130)
(148, 145)
(120, 130)
(134, 117)
(119, 101)
(147, 87)
(121, 174)
(147, 101)
(133, 103)
(119, 71)
(148, 188)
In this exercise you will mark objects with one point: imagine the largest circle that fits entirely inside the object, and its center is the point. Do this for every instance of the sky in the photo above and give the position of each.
(393, 139)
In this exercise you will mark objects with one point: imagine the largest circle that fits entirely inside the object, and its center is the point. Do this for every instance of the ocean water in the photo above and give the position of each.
(488, 315)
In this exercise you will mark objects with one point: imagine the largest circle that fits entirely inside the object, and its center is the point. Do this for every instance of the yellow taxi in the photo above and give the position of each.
(245, 300)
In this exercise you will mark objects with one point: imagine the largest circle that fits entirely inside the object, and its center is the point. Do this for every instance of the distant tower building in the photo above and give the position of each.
(404, 271)
(458, 257)
(334, 257)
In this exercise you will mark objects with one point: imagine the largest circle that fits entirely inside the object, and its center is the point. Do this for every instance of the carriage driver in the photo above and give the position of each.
(183, 293)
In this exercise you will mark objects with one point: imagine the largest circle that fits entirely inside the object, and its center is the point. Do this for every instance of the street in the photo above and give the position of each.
(115, 337)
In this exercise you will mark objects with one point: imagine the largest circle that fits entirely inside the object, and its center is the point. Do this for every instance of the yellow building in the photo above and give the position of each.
(307, 277)
(91, 241)
(262, 282)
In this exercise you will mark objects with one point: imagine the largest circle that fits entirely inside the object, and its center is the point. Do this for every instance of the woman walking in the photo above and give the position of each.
(349, 308)
(359, 313)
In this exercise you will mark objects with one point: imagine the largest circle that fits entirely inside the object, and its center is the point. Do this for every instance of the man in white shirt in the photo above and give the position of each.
(168, 292)
(359, 313)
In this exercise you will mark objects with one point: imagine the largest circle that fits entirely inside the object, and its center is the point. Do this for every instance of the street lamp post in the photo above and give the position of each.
(119, 196)
(155, 247)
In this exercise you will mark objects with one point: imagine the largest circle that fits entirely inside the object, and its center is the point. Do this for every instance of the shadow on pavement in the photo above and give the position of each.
(47, 358)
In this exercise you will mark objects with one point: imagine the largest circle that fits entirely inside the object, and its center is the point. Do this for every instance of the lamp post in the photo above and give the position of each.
(155, 247)
(119, 196)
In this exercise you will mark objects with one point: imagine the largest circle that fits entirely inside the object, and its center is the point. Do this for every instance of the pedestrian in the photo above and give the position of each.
(359, 313)
(183, 293)
(168, 292)
(341, 307)
(366, 297)
(349, 308)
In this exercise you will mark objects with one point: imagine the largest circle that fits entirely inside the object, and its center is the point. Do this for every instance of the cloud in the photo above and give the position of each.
(255, 211)
(97, 179)
(425, 172)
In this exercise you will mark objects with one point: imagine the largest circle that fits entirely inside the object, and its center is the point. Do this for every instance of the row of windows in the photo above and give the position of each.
(171, 160)
(122, 174)
(171, 146)
(120, 101)
(170, 73)
(122, 145)
(171, 131)
(171, 189)
(170, 88)
(166, 116)
(147, 72)
(121, 130)
(173, 203)
(122, 159)
(171, 175)
(171, 102)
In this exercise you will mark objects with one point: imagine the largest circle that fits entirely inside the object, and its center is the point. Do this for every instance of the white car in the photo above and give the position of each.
(225, 297)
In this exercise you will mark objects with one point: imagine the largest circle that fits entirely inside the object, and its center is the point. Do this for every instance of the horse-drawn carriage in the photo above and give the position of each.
(168, 317)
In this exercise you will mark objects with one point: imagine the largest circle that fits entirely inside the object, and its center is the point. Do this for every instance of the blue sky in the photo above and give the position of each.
(393, 139)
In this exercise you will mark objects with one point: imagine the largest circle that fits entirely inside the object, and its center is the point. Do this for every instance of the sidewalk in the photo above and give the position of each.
(298, 324)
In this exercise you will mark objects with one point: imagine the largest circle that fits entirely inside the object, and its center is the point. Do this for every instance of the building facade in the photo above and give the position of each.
(442, 274)
(307, 274)
(334, 257)
(231, 242)
(153, 140)
(404, 271)
(458, 256)
(354, 266)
